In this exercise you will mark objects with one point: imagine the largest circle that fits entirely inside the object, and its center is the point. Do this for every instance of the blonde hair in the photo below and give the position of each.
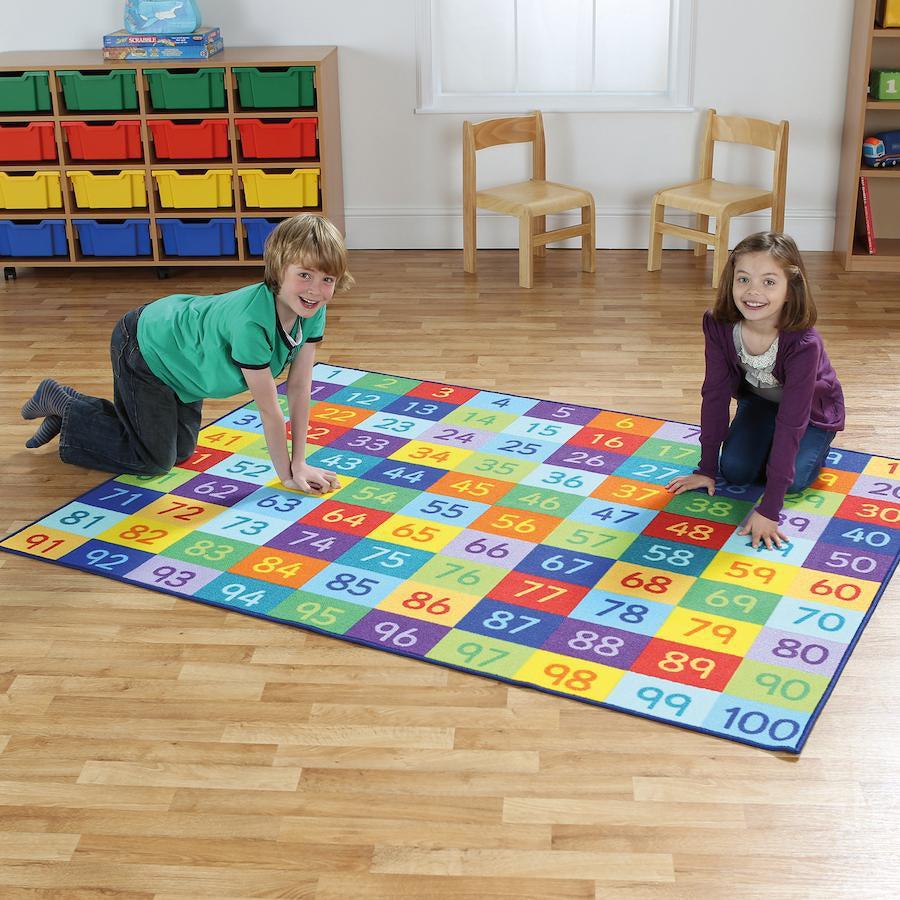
(799, 312)
(310, 241)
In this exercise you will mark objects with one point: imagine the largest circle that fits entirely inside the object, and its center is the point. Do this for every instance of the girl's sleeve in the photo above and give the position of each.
(716, 402)
(791, 423)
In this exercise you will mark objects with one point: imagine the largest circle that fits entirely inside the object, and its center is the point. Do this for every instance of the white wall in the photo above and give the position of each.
(402, 171)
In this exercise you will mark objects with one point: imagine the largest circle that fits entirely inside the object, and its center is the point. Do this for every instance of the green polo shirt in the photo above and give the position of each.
(198, 345)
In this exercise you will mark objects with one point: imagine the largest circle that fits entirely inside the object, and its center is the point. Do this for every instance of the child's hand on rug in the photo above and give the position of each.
(692, 482)
(762, 529)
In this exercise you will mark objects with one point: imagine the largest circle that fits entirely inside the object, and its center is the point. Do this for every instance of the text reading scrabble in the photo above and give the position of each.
(528, 541)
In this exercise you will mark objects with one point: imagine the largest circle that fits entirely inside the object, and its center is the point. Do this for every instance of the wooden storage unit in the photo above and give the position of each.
(871, 47)
(313, 68)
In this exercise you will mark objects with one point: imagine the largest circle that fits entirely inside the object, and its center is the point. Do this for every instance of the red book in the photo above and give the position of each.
(865, 228)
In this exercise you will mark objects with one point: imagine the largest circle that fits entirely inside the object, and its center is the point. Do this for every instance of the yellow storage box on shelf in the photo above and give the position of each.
(109, 190)
(195, 190)
(39, 190)
(297, 188)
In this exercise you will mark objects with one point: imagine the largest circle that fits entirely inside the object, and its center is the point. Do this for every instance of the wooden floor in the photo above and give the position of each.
(151, 747)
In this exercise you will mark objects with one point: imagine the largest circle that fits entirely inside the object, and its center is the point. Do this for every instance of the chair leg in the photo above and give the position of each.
(526, 252)
(702, 225)
(540, 226)
(720, 255)
(778, 216)
(589, 239)
(654, 251)
(469, 237)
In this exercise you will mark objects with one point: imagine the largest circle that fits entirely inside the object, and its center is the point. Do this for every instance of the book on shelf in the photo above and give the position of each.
(865, 228)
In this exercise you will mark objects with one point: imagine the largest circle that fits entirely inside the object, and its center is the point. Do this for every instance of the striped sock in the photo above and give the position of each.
(47, 430)
(50, 398)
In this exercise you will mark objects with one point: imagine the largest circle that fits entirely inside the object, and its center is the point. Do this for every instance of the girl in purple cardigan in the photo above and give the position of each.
(762, 349)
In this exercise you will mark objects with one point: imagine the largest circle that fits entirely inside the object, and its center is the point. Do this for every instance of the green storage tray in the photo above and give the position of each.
(186, 88)
(24, 92)
(293, 87)
(114, 90)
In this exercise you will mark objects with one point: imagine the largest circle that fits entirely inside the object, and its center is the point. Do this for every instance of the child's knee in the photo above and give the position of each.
(736, 470)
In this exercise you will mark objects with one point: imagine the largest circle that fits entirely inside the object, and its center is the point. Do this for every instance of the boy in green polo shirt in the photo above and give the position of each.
(170, 355)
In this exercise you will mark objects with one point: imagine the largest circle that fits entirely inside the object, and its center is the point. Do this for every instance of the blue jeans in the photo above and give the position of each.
(145, 430)
(745, 452)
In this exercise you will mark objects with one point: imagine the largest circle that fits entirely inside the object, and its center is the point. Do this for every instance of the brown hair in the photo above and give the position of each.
(306, 240)
(799, 311)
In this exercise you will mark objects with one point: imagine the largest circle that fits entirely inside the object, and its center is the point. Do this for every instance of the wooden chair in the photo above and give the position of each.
(707, 197)
(530, 201)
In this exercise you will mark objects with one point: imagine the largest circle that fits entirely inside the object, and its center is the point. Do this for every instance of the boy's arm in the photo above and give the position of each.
(299, 387)
(265, 394)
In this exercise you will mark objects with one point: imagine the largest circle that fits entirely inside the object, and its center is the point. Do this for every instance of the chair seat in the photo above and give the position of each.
(710, 197)
(536, 197)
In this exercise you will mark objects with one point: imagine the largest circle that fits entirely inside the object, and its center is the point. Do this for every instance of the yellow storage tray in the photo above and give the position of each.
(189, 191)
(114, 190)
(297, 188)
(40, 190)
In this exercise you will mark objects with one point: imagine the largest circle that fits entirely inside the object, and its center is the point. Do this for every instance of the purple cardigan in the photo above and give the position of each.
(811, 395)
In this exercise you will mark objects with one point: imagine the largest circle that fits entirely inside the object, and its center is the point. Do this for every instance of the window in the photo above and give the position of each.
(488, 56)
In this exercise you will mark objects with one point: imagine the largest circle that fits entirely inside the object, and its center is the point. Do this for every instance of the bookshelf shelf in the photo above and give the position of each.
(870, 47)
(320, 108)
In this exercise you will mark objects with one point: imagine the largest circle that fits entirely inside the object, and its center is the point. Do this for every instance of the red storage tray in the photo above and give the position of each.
(104, 140)
(278, 139)
(205, 139)
(27, 142)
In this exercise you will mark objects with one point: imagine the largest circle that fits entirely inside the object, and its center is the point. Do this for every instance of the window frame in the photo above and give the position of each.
(679, 97)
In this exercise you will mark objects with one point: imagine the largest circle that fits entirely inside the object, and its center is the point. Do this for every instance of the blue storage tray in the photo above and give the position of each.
(44, 238)
(257, 232)
(196, 237)
(130, 237)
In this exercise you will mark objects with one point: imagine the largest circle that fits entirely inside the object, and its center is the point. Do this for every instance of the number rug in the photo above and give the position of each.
(525, 540)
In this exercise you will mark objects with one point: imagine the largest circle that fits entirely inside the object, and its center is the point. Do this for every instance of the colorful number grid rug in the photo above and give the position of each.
(526, 540)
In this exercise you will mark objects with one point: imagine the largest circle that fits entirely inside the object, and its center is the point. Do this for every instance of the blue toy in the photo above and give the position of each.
(882, 150)
(161, 16)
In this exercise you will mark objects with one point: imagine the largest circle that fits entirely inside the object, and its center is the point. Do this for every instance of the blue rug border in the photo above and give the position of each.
(794, 750)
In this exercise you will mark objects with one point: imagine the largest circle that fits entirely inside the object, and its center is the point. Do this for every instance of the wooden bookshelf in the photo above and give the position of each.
(326, 111)
(870, 47)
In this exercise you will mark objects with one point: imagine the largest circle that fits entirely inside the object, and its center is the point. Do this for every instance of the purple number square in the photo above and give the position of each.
(491, 549)
(563, 412)
(597, 643)
(320, 390)
(857, 563)
(368, 442)
(797, 651)
(215, 489)
(402, 634)
(586, 460)
(887, 489)
(172, 575)
(457, 436)
(310, 540)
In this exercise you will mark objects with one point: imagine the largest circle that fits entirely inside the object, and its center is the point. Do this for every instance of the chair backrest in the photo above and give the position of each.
(743, 130)
(510, 130)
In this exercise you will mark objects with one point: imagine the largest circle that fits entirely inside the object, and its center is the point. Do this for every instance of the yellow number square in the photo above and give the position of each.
(687, 626)
(47, 543)
(421, 534)
(763, 574)
(435, 455)
(569, 675)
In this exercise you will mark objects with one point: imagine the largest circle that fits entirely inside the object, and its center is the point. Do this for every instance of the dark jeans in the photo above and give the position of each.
(145, 430)
(746, 449)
